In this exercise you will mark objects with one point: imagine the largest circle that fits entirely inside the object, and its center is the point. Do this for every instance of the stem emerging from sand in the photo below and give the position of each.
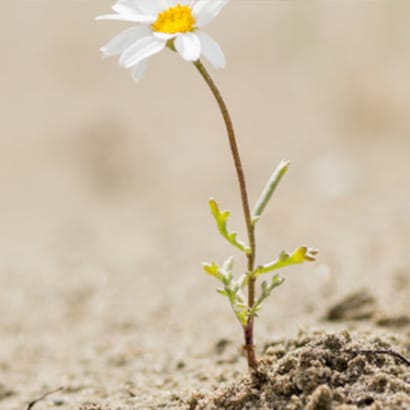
(248, 328)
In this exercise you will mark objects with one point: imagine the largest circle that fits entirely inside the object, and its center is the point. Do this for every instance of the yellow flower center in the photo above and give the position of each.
(178, 19)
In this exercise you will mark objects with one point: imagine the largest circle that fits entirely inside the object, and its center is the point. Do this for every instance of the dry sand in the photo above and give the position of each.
(104, 218)
(319, 372)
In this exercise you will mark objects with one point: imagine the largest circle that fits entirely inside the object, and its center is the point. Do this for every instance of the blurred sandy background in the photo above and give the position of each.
(104, 189)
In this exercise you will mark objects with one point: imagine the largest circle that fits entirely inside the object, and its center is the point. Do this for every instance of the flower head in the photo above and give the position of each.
(161, 23)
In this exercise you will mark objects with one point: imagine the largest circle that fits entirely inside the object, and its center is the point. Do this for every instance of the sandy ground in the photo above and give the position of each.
(104, 189)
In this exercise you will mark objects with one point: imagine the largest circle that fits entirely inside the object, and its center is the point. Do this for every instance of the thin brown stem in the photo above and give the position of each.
(248, 329)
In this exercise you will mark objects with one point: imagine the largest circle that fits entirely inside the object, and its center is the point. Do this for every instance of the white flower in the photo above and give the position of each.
(175, 23)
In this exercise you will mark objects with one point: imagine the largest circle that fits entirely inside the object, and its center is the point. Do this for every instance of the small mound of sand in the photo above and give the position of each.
(319, 372)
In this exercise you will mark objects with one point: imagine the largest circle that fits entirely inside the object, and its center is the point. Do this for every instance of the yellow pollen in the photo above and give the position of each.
(178, 19)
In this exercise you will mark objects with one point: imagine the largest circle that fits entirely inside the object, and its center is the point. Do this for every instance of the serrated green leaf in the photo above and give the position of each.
(276, 281)
(221, 218)
(232, 289)
(266, 290)
(299, 255)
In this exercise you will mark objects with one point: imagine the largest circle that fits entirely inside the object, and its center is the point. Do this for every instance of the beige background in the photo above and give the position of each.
(104, 189)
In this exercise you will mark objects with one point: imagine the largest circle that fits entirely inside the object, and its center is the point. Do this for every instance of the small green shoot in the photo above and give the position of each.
(246, 309)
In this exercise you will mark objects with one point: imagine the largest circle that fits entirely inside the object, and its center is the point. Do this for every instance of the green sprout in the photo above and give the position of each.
(234, 289)
(246, 308)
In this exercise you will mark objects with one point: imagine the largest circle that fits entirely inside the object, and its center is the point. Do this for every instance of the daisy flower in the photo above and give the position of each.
(164, 23)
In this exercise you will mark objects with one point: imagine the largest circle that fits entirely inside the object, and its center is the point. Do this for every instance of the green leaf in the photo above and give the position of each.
(266, 290)
(269, 189)
(221, 218)
(213, 270)
(299, 255)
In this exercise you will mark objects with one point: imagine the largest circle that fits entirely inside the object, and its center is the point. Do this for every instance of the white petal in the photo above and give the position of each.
(133, 13)
(138, 71)
(123, 40)
(134, 18)
(205, 11)
(140, 11)
(210, 50)
(188, 46)
(140, 50)
(143, 7)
